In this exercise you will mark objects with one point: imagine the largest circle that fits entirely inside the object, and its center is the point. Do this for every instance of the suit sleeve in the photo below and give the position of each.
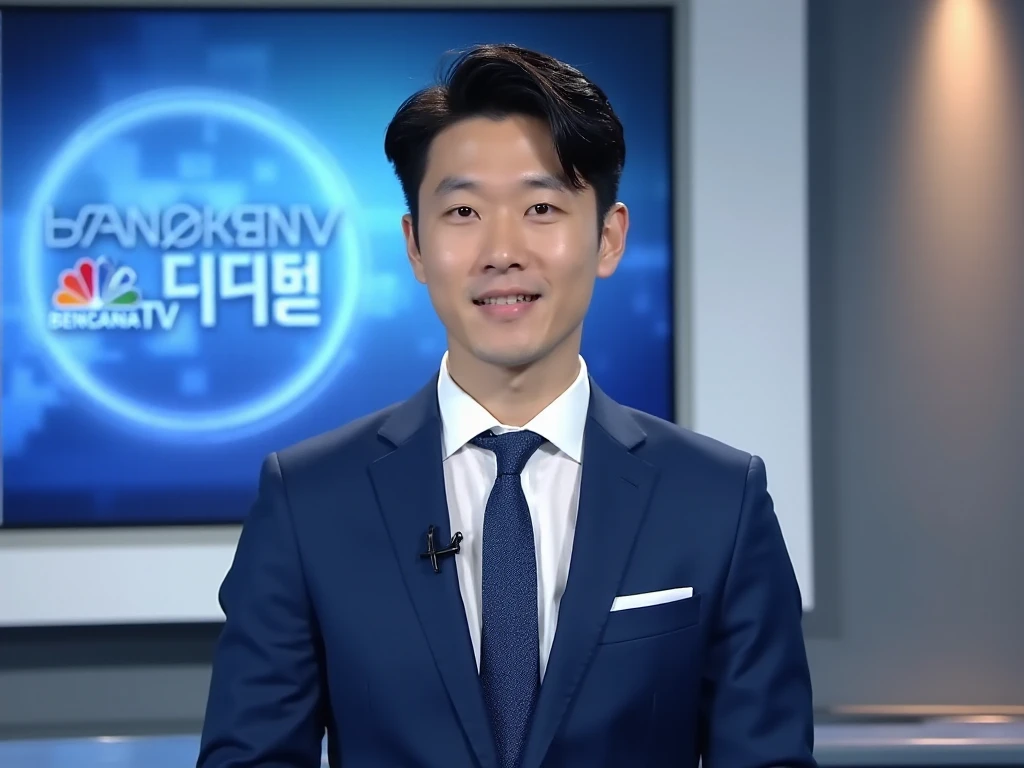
(757, 708)
(265, 705)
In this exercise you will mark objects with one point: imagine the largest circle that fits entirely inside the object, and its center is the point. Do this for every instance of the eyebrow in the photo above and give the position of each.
(546, 181)
(450, 184)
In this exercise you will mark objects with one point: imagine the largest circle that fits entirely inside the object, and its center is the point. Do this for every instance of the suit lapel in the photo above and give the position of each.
(409, 482)
(614, 494)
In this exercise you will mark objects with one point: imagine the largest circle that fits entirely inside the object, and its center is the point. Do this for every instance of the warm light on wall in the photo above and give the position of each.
(956, 216)
(963, 140)
(961, 56)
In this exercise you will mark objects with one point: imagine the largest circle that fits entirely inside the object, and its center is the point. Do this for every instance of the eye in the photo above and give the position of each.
(541, 209)
(462, 212)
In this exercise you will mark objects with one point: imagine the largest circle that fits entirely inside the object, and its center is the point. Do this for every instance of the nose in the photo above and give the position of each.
(503, 247)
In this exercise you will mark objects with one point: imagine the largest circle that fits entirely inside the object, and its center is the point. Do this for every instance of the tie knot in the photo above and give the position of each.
(511, 449)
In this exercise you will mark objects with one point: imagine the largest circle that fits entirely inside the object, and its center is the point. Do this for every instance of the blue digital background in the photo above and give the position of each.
(340, 75)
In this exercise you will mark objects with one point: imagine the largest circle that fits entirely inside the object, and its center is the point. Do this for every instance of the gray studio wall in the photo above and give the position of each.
(916, 425)
(916, 200)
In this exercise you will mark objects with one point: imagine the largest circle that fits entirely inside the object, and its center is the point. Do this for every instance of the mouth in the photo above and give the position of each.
(512, 299)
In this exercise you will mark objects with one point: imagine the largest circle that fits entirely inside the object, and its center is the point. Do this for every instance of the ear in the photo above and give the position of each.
(412, 250)
(613, 240)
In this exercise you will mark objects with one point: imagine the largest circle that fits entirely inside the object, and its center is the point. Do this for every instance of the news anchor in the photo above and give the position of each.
(509, 569)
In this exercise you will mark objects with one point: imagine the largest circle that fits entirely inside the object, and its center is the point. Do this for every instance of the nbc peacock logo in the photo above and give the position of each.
(98, 294)
(96, 284)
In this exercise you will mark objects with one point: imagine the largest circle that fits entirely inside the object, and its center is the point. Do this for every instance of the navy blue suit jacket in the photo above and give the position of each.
(334, 622)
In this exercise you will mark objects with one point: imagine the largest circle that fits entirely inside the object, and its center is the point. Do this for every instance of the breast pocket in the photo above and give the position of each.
(651, 621)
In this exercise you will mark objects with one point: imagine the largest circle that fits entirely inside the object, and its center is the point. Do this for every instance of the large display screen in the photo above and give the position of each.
(202, 252)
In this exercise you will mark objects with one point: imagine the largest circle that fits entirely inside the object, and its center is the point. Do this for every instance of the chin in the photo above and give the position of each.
(508, 358)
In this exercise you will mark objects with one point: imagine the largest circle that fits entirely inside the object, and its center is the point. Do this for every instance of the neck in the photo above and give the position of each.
(514, 396)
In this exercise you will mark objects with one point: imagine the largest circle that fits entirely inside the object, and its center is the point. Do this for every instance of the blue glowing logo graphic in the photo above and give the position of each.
(285, 398)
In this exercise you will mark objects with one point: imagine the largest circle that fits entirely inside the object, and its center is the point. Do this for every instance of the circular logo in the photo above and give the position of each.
(99, 292)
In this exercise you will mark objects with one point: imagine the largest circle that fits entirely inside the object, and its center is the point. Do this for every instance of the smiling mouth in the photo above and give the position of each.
(522, 298)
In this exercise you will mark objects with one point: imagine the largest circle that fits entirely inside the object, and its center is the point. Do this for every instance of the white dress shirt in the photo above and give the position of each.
(551, 484)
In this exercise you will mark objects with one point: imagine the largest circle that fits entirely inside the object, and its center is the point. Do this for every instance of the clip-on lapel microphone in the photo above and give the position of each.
(436, 554)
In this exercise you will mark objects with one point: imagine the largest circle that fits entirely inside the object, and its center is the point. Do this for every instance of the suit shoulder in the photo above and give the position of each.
(356, 440)
(669, 443)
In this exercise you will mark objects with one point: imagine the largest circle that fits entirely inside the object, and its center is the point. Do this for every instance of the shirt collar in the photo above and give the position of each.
(561, 423)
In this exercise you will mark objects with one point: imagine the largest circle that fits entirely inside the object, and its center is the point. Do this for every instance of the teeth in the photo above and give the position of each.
(507, 299)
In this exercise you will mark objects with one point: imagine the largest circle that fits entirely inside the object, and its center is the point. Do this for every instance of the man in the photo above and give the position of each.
(621, 593)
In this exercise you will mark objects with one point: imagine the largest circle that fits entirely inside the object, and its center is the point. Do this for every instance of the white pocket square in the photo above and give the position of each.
(647, 599)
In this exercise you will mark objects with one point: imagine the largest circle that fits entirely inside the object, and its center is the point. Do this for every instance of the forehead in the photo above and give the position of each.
(492, 151)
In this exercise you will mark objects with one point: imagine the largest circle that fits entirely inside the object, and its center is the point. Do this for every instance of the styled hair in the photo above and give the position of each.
(498, 81)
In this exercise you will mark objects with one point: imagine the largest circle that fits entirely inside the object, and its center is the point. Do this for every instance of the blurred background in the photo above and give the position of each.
(202, 262)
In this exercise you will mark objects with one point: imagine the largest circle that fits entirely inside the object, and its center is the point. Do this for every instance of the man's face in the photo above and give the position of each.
(508, 250)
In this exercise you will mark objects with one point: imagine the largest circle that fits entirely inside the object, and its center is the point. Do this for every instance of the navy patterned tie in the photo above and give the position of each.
(509, 648)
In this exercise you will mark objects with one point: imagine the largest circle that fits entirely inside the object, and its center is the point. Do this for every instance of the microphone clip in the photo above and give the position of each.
(436, 554)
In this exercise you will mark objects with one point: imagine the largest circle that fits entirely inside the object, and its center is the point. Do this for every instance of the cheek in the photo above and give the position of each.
(446, 250)
(569, 256)
(440, 282)
(445, 273)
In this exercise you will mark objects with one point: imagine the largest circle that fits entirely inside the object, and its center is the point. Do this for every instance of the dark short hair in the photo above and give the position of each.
(498, 81)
